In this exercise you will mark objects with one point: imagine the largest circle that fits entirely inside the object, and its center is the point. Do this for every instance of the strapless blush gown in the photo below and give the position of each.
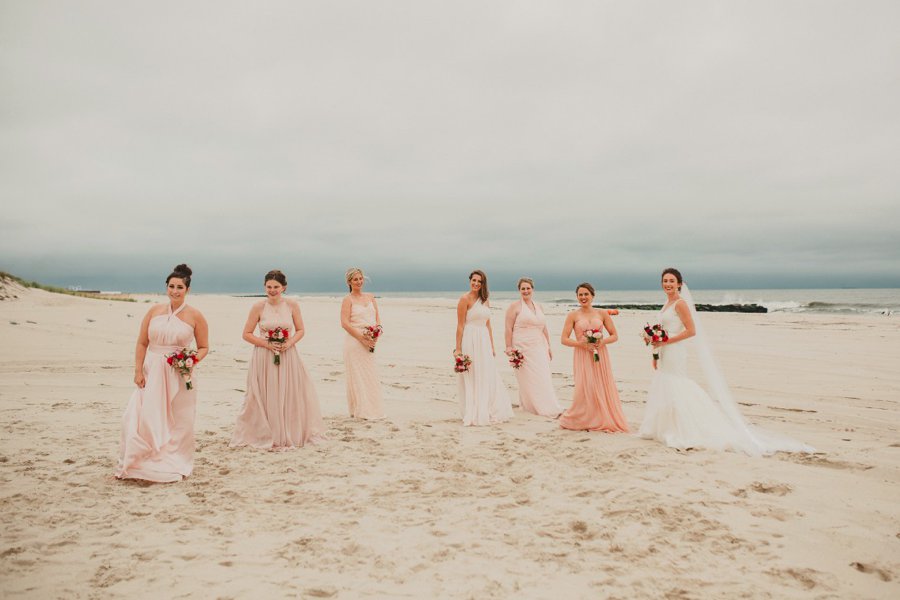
(281, 408)
(158, 426)
(363, 387)
(482, 396)
(595, 402)
(536, 393)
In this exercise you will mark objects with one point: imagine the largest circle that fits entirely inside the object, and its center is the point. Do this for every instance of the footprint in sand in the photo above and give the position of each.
(883, 574)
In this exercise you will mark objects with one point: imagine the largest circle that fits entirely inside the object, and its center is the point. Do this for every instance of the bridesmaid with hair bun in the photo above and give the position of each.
(158, 426)
(281, 408)
(358, 311)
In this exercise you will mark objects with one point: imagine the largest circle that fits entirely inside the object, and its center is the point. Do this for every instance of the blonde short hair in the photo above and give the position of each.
(351, 272)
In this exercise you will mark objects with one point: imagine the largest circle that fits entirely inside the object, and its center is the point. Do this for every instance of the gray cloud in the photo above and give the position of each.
(420, 138)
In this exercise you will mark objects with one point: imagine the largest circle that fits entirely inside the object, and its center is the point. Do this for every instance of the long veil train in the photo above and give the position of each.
(756, 441)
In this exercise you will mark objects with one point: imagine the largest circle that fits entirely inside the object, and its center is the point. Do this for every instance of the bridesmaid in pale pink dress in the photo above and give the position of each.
(358, 311)
(595, 402)
(281, 409)
(526, 331)
(158, 426)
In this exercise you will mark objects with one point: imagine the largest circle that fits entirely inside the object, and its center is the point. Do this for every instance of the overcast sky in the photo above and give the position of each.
(749, 143)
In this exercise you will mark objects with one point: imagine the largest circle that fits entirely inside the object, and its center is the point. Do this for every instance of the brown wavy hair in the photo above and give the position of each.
(483, 293)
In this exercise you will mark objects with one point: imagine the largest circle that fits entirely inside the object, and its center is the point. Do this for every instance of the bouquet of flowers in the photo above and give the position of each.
(654, 333)
(372, 332)
(462, 363)
(183, 361)
(516, 358)
(593, 336)
(278, 336)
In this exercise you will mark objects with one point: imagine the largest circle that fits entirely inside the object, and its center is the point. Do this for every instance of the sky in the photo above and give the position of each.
(750, 144)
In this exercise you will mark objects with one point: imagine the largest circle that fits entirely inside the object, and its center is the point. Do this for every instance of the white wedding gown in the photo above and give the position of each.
(482, 396)
(681, 414)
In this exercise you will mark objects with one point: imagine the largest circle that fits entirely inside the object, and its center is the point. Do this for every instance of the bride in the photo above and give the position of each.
(679, 412)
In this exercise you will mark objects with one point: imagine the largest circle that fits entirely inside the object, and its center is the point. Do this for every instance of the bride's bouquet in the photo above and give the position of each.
(516, 358)
(183, 361)
(462, 363)
(372, 332)
(593, 336)
(277, 336)
(654, 333)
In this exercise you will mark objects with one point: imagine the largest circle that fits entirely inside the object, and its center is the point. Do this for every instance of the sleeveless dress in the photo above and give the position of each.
(482, 396)
(158, 426)
(595, 402)
(281, 408)
(679, 412)
(536, 393)
(363, 387)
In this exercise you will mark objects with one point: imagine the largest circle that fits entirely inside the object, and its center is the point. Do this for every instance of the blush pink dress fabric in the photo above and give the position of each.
(281, 408)
(363, 387)
(482, 396)
(536, 393)
(595, 402)
(157, 441)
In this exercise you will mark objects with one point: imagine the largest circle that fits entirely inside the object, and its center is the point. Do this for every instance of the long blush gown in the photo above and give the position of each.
(158, 426)
(281, 408)
(595, 402)
(363, 387)
(536, 393)
(679, 412)
(482, 397)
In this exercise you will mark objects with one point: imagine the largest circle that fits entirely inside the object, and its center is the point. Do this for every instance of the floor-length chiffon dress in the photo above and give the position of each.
(281, 408)
(536, 393)
(595, 401)
(157, 442)
(363, 386)
(482, 396)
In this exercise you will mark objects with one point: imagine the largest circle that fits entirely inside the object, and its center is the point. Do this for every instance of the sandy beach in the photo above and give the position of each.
(417, 506)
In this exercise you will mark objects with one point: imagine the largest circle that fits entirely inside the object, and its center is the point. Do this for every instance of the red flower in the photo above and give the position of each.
(169, 360)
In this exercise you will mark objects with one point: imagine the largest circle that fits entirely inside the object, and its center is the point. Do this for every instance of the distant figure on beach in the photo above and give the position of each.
(526, 331)
(595, 401)
(679, 412)
(158, 426)
(482, 396)
(281, 409)
(359, 318)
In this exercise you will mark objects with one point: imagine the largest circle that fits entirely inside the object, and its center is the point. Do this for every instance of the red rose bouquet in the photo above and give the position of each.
(654, 333)
(593, 336)
(516, 358)
(183, 361)
(462, 363)
(372, 332)
(278, 336)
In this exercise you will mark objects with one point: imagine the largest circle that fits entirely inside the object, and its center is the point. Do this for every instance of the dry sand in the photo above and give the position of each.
(417, 506)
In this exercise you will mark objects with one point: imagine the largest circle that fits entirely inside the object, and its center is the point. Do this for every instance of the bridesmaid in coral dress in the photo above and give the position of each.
(358, 311)
(526, 331)
(595, 403)
(281, 409)
(158, 426)
(482, 396)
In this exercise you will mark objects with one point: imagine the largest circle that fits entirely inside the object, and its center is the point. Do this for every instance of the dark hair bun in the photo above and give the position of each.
(183, 269)
(182, 272)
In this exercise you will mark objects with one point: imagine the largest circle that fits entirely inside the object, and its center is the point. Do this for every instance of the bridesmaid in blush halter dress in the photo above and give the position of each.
(158, 426)
(281, 409)
(526, 331)
(482, 396)
(358, 311)
(595, 402)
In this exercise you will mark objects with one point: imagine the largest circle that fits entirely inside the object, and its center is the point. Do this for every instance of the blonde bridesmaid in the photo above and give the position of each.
(526, 331)
(358, 311)
(482, 395)
(158, 426)
(281, 408)
(595, 402)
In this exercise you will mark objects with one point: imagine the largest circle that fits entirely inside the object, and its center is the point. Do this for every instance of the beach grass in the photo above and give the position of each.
(4, 276)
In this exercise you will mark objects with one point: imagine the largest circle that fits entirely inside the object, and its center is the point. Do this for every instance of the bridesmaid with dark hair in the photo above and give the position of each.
(281, 409)
(158, 426)
(482, 396)
(595, 402)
